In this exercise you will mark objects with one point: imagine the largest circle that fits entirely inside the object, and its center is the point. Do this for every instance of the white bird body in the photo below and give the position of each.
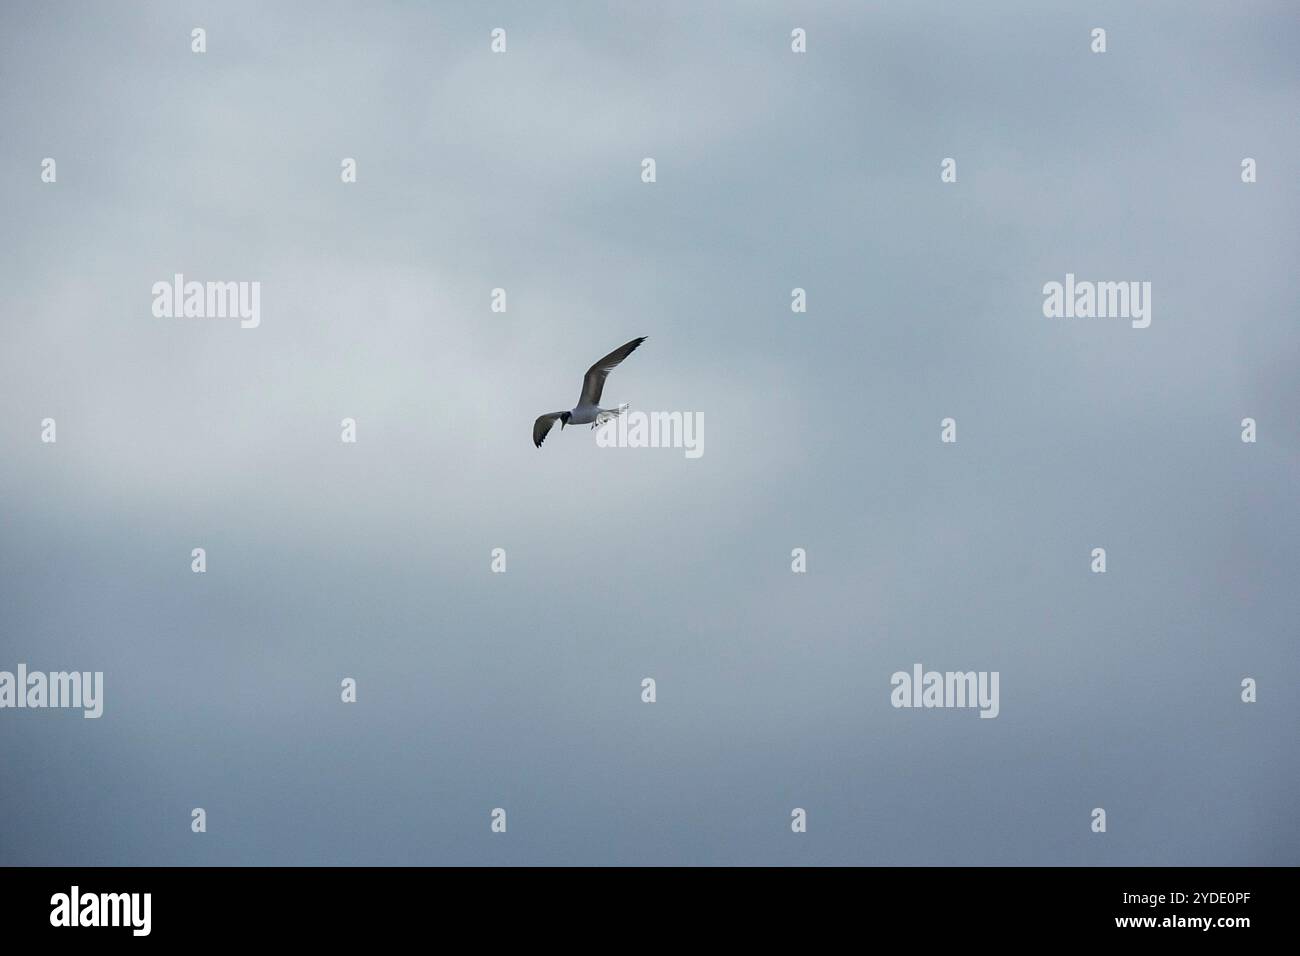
(588, 410)
(584, 415)
(593, 414)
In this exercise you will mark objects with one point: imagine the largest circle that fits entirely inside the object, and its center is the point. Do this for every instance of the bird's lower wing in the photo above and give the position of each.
(542, 426)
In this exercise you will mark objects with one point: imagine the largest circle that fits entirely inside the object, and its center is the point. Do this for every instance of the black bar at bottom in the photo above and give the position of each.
(328, 904)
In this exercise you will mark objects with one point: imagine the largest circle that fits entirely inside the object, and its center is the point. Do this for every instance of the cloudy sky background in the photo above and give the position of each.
(522, 690)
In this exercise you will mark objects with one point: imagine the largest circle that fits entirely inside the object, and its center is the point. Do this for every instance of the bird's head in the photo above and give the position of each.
(564, 419)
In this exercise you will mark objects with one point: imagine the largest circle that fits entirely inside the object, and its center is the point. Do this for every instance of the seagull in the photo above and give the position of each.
(588, 409)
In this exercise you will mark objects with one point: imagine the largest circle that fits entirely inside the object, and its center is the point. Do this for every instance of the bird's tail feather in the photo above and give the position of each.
(608, 414)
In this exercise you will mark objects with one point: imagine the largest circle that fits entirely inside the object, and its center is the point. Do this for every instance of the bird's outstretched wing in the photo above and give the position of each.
(593, 383)
(543, 425)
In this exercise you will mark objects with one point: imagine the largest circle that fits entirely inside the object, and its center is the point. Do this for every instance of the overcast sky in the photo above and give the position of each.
(522, 690)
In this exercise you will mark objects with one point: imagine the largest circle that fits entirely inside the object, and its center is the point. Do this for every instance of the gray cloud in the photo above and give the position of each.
(521, 690)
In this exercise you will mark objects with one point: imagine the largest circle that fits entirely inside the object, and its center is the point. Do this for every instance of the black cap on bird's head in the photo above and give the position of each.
(564, 419)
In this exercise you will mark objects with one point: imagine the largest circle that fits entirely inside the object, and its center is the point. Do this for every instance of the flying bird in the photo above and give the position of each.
(588, 409)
